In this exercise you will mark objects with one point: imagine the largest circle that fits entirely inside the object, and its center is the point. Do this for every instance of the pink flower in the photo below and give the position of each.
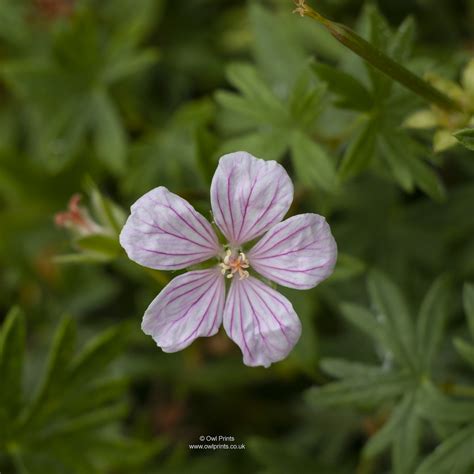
(249, 198)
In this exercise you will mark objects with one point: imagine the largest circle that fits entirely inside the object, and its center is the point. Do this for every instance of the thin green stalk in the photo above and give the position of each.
(379, 60)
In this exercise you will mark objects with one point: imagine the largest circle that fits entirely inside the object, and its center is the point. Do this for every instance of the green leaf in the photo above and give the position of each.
(247, 80)
(268, 144)
(391, 307)
(305, 352)
(466, 137)
(313, 165)
(12, 349)
(376, 57)
(55, 377)
(81, 258)
(108, 213)
(406, 443)
(382, 439)
(454, 455)
(378, 35)
(350, 92)
(438, 407)
(347, 267)
(465, 349)
(305, 102)
(97, 354)
(426, 178)
(101, 244)
(278, 50)
(468, 300)
(205, 147)
(391, 153)
(401, 43)
(85, 422)
(432, 319)
(365, 320)
(342, 368)
(110, 138)
(132, 63)
(243, 107)
(368, 390)
(360, 151)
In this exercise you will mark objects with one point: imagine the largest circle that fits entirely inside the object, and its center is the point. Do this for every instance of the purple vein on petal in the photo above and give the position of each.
(257, 320)
(178, 236)
(282, 327)
(242, 326)
(211, 301)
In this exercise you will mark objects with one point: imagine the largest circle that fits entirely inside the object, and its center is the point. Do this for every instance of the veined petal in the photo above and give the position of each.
(298, 253)
(166, 233)
(261, 321)
(190, 306)
(248, 196)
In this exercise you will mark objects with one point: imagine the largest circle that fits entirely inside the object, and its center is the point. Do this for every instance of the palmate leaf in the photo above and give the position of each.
(350, 93)
(76, 402)
(431, 320)
(360, 151)
(406, 441)
(252, 86)
(367, 391)
(391, 308)
(402, 384)
(272, 144)
(271, 126)
(305, 101)
(313, 165)
(110, 140)
(277, 50)
(438, 407)
(384, 437)
(454, 455)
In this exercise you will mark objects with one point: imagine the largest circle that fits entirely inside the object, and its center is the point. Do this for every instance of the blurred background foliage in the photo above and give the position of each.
(111, 98)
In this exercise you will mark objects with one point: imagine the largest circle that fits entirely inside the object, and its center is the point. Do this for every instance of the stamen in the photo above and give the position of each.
(232, 265)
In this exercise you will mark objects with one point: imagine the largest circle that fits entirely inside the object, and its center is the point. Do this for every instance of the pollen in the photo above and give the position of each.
(234, 263)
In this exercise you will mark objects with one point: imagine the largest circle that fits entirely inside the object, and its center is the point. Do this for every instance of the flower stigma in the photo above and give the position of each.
(233, 264)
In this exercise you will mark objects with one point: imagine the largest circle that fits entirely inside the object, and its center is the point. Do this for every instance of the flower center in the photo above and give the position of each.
(235, 263)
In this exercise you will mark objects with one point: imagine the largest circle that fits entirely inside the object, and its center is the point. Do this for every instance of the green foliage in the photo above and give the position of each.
(380, 139)
(466, 138)
(75, 402)
(403, 381)
(112, 98)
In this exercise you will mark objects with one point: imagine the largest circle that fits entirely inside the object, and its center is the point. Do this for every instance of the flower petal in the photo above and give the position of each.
(248, 196)
(190, 306)
(261, 321)
(299, 252)
(166, 233)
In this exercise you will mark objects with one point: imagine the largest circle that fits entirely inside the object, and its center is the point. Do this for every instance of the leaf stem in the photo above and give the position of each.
(379, 60)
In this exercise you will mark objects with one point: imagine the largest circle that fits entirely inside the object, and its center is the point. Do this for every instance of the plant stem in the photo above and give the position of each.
(379, 60)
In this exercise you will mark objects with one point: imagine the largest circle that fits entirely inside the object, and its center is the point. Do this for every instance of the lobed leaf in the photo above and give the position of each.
(312, 163)
(360, 151)
(466, 137)
(432, 319)
(369, 390)
(391, 307)
(350, 92)
(454, 455)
